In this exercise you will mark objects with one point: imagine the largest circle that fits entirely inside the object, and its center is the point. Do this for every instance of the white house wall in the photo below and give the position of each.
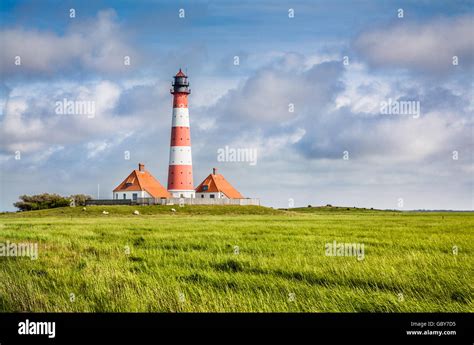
(207, 195)
(129, 194)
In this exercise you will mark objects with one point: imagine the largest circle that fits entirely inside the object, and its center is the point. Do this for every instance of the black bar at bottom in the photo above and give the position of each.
(229, 328)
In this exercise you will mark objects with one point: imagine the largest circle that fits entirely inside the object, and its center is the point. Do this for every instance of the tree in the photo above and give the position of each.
(41, 201)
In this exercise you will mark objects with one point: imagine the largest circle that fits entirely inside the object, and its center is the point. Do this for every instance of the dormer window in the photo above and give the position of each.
(205, 188)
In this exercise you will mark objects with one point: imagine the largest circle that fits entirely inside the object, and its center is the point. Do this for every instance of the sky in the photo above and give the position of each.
(360, 103)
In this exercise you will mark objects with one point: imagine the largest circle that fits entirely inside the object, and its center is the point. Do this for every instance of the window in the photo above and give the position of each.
(134, 196)
(212, 196)
(124, 196)
(202, 195)
(182, 195)
(205, 188)
(116, 195)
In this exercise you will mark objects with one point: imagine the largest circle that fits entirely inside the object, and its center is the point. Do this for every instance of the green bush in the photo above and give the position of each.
(41, 201)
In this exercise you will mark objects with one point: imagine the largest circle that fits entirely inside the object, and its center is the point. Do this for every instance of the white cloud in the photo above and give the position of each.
(337, 108)
(95, 148)
(30, 122)
(266, 96)
(95, 45)
(428, 46)
(42, 156)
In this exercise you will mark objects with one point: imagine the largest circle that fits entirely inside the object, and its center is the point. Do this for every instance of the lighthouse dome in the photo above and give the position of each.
(180, 74)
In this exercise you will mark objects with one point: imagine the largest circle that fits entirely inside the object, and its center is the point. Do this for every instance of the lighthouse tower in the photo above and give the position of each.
(180, 173)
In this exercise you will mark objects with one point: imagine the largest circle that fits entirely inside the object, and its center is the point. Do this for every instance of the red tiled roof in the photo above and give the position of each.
(140, 180)
(217, 183)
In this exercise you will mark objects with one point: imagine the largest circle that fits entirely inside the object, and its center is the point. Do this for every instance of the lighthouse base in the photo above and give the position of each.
(182, 193)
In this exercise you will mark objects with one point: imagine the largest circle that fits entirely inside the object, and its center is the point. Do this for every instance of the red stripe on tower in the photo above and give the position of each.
(180, 173)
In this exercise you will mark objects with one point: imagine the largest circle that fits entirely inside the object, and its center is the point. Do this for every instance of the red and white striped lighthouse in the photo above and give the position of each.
(180, 173)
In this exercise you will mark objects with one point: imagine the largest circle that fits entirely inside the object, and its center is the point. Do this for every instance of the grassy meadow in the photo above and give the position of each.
(236, 259)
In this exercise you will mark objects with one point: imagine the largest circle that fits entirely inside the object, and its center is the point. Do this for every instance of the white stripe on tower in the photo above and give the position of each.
(181, 155)
(180, 117)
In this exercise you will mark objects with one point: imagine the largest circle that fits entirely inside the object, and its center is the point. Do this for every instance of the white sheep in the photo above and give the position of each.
(105, 212)
(136, 212)
(173, 210)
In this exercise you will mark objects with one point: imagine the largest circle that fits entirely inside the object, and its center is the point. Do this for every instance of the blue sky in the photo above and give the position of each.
(282, 60)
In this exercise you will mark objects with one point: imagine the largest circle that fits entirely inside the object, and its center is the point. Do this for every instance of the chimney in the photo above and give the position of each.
(141, 167)
(214, 171)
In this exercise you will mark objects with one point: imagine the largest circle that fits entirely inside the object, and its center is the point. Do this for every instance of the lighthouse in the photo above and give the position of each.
(180, 172)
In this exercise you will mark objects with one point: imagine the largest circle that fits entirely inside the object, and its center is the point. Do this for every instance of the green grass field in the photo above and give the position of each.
(188, 261)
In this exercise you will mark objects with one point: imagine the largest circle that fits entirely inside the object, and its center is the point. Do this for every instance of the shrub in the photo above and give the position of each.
(40, 202)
